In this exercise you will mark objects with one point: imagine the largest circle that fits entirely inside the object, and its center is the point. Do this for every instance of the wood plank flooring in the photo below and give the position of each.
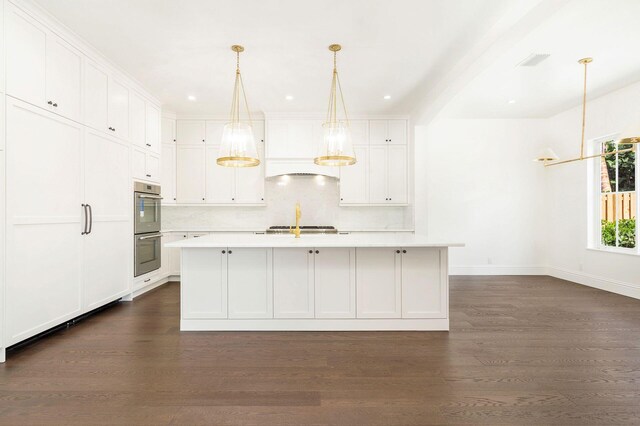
(521, 350)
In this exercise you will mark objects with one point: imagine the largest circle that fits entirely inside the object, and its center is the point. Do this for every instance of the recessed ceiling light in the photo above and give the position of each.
(289, 97)
(387, 97)
(512, 101)
(191, 98)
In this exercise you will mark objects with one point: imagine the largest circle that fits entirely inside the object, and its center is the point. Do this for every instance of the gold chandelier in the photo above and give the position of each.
(549, 158)
(238, 146)
(336, 148)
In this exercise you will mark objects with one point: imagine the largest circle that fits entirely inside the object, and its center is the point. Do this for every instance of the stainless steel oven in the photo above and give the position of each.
(148, 251)
(146, 209)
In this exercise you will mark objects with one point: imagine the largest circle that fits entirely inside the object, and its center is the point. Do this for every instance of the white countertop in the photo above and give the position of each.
(358, 240)
(196, 229)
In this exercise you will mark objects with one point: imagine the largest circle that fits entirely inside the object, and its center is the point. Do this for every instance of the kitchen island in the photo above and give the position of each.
(316, 282)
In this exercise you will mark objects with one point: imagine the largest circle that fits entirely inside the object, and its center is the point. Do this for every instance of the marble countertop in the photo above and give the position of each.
(306, 241)
(195, 229)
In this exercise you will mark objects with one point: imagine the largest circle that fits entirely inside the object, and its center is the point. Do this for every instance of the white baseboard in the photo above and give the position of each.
(607, 284)
(497, 270)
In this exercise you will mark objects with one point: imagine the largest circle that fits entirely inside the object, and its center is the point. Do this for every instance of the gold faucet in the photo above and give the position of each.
(296, 230)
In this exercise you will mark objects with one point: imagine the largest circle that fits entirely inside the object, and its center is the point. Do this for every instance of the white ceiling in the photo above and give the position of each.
(606, 30)
(180, 48)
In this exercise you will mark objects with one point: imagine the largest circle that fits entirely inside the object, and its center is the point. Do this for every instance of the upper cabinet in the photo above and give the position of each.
(152, 134)
(41, 68)
(138, 115)
(168, 130)
(190, 132)
(383, 132)
(106, 101)
(293, 138)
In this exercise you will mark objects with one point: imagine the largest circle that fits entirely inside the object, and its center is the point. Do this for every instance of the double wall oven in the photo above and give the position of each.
(147, 236)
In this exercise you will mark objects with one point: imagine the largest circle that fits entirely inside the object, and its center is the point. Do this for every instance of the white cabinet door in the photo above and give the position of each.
(277, 139)
(354, 180)
(378, 272)
(152, 165)
(359, 132)
(335, 283)
(249, 181)
(378, 132)
(250, 282)
(204, 278)
(137, 125)
(64, 68)
(378, 175)
(118, 109)
(152, 128)
(168, 130)
(107, 251)
(397, 132)
(397, 174)
(43, 241)
(96, 97)
(190, 132)
(293, 288)
(168, 176)
(424, 278)
(190, 174)
(139, 163)
(220, 180)
(293, 138)
(213, 132)
(26, 44)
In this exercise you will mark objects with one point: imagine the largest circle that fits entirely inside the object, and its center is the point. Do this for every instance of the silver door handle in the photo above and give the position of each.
(86, 218)
(90, 219)
(147, 237)
(155, 197)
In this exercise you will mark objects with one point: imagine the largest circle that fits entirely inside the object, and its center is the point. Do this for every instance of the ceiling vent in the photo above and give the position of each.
(533, 59)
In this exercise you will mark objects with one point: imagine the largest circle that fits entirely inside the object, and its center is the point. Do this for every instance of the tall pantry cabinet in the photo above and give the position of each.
(67, 162)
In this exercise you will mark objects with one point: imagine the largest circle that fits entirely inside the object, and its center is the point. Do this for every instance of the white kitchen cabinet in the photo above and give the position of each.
(118, 109)
(41, 68)
(385, 132)
(152, 126)
(137, 121)
(213, 131)
(379, 277)
(174, 253)
(190, 132)
(146, 165)
(106, 101)
(219, 180)
(190, 174)
(210, 299)
(335, 283)
(107, 261)
(378, 175)
(168, 130)
(168, 175)
(354, 180)
(250, 282)
(293, 283)
(359, 132)
(388, 174)
(43, 240)
(423, 276)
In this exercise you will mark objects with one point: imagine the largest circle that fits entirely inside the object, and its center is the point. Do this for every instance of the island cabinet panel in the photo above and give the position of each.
(424, 283)
(379, 275)
(205, 273)
(335, 282)
(250, 282)
(293, 287)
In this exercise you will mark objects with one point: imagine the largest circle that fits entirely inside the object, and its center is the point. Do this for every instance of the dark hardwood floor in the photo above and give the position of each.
(521, 350)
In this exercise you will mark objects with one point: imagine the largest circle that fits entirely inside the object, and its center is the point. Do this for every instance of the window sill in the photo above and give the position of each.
(628, 252)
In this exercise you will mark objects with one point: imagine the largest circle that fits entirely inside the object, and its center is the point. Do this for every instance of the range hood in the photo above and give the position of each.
(303, 166)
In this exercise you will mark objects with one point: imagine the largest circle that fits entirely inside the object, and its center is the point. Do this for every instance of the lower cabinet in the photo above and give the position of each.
(205, 271)
(424, 272)
(250, 282)
(293, 283)
(379, 282)
(335, 282)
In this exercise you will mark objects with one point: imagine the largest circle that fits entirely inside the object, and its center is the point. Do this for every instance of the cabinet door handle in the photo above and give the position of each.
(147, 280)
(148, 144)
(404, 251)
(224, 251)
(55, 105)
(233, 199)
(90, 219)
(148, 175)
(230, 252)
(398, 251)
(113, 129)
(310, 251)
(84, 211)
(317, 251)
(50, 103)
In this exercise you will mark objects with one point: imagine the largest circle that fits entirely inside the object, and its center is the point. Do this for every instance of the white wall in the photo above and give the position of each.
(319, 198)
(566, 196)
(476, 183)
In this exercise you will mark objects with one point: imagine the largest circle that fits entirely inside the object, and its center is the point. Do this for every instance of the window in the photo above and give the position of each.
(618, 228)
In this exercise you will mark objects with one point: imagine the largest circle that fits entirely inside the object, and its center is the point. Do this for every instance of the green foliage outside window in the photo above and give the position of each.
(626, 233)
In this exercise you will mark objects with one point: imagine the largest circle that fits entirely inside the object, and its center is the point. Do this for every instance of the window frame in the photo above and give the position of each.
(594, 237)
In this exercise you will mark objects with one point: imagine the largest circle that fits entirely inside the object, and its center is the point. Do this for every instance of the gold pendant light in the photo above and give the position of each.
(549, 158)
(238, 146)
(336, 148)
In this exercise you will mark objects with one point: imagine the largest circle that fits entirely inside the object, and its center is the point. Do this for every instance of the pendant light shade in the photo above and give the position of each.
(238, 146)
(336, 148)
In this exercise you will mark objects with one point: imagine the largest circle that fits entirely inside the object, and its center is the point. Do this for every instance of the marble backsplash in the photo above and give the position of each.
(318, 196)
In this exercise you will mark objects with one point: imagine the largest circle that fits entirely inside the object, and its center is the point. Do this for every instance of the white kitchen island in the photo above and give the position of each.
(317, 282)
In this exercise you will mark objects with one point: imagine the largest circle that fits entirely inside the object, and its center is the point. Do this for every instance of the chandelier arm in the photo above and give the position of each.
(604, 154)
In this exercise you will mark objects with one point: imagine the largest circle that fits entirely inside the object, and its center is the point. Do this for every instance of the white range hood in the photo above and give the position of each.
(290, 166)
